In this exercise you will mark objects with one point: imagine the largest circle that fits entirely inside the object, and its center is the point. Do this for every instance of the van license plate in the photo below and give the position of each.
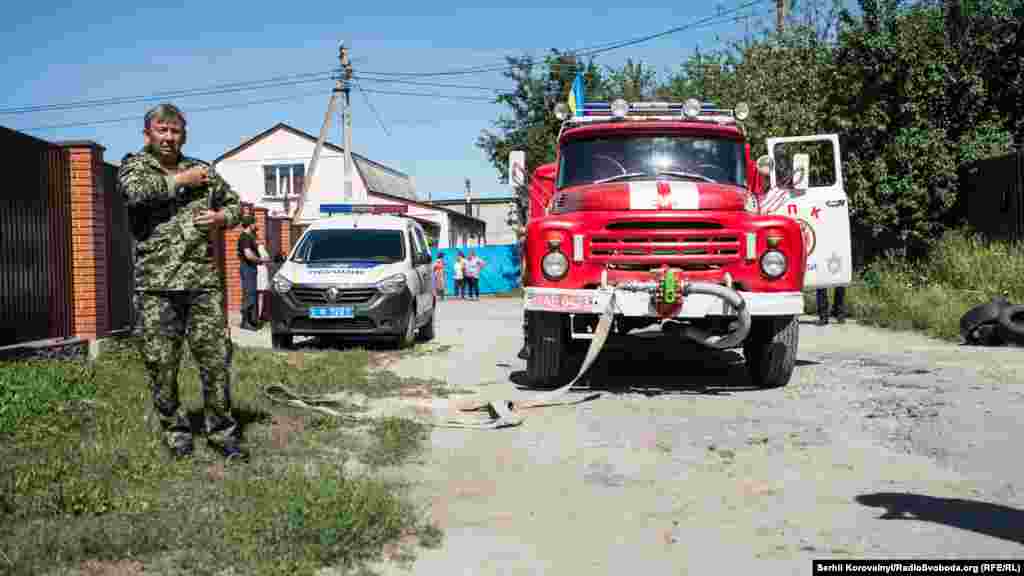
(330, 312)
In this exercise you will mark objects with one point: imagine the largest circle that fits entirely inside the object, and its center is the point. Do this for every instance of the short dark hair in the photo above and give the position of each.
(164, 112)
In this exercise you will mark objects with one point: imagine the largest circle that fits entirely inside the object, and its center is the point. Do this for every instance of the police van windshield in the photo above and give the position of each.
(631, 156)
(325, 246)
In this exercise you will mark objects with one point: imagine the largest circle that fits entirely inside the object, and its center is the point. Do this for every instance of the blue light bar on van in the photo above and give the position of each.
(330, 209)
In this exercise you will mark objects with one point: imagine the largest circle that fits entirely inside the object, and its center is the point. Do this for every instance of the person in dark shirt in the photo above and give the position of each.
(249, 259)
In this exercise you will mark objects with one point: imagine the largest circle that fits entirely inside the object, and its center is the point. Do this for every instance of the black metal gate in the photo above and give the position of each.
(119, 243)
(35, 241)
(994, 196)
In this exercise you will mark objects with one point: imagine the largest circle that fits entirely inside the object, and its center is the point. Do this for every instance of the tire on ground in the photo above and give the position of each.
(1011, 324)
(987, 313)
(770, 350)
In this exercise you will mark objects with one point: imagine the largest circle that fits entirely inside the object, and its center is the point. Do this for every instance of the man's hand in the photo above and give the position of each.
(193, 177)
(210, 219)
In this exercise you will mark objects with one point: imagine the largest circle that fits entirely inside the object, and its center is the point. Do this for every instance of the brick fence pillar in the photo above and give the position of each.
(261, 226)
(232, 276)
(285, 235)
(90, 318)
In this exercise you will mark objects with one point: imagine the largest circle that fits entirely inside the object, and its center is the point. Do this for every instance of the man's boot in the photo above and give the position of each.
(254, 316)
(246, 323)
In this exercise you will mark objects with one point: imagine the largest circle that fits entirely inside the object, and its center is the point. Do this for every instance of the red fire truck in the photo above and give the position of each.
(661, 206)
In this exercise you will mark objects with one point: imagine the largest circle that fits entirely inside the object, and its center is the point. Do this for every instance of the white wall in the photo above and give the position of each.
(244, 171)
(496, 217)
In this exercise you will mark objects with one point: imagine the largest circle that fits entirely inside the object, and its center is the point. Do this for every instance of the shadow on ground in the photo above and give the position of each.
(655, 366)
(993, 520)
(244, 416)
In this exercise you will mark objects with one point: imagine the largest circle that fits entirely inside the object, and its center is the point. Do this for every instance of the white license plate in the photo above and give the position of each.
(330, 312)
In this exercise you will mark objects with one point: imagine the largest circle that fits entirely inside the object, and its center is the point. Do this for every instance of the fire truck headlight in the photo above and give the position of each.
(555, 265)
(773, 263)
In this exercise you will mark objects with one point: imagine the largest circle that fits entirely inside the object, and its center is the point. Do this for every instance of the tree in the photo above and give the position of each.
(532, 125)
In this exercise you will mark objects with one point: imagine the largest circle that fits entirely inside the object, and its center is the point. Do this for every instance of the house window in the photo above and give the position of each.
(282, 179)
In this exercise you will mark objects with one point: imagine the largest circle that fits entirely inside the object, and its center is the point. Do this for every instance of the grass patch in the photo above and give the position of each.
(84, 481)
(395, 441)
(961, 272)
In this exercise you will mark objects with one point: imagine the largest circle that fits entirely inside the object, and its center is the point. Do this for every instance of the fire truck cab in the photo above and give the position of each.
(658, 210)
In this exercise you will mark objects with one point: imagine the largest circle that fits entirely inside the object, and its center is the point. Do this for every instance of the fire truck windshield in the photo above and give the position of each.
(627, 157)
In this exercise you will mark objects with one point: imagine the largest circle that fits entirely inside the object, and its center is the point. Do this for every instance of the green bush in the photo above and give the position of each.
(960, 272)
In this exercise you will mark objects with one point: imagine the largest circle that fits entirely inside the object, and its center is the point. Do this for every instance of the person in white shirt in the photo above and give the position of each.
(459, 275)
(473, 267)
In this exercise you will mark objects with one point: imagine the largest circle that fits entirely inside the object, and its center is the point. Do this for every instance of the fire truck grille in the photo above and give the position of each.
(640, 245)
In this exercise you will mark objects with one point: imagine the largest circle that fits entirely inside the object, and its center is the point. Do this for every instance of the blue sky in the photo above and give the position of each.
(59, 52)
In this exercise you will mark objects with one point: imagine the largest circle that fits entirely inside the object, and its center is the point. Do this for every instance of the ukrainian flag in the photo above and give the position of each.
(576, 95)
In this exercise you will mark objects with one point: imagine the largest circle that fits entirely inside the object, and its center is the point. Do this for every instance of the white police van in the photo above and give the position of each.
(357, 273)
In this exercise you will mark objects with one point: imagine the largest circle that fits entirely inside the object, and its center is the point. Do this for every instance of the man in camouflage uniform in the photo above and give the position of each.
(176, 204)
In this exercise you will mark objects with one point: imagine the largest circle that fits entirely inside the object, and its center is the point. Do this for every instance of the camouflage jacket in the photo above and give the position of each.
(170, 252)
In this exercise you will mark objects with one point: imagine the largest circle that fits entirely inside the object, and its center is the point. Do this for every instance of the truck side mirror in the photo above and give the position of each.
(765, 165)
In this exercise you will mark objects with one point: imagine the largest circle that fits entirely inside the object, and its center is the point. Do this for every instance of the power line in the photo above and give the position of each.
(459, 97)
(234, 87)
(593, 50)
(704, 21)
(380, 120)
(431, 84)
(138, 118)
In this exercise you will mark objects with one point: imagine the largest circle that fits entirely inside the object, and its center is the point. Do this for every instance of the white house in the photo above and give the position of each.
(269, 171)
(495, 212)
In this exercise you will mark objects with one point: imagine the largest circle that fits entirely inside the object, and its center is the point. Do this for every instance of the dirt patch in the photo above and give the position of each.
(381, 360)
(215, 472)
(283, 428)
(119, 568)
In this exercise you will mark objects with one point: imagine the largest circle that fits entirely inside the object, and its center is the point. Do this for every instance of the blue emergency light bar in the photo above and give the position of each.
(330, 209)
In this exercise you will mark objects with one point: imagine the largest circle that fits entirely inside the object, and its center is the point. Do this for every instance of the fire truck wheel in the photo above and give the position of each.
(770, 350)
(550, 362)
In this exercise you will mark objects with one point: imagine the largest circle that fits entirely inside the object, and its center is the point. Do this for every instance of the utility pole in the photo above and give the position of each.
(346, 73)
(341, 85)
(780, 15)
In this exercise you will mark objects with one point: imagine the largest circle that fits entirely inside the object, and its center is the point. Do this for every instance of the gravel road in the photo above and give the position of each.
(884, 444)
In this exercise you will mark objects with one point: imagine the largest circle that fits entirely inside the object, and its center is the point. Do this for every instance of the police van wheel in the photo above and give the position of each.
(427, 332)
(770, 350)
(281, 341)
(408, 337)
(549, 364)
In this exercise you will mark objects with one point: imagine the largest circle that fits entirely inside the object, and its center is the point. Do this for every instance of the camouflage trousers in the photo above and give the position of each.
(164, 321)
